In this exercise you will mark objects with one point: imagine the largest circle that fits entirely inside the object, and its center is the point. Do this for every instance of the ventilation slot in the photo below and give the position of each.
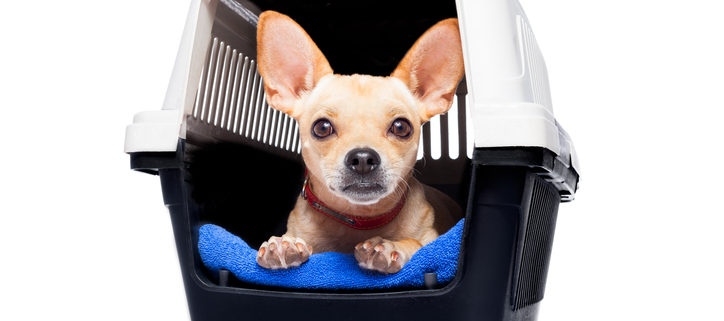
(231, 97)
(541, 222)
(445, 136)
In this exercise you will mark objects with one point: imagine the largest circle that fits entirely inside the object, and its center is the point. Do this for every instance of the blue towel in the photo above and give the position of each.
(220, 249)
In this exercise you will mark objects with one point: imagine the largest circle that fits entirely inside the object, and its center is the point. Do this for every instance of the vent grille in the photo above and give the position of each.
(541, 222)
(450, 137)
(231, 96)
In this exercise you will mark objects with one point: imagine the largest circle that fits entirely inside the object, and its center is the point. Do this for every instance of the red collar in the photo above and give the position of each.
(355, 222)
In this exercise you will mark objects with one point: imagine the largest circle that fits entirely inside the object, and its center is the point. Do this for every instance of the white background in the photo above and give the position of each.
(637, 84)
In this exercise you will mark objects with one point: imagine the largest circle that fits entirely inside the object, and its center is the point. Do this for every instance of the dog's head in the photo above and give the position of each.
(359, 133)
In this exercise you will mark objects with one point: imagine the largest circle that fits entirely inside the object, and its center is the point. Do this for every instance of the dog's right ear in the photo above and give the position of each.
(289, 61)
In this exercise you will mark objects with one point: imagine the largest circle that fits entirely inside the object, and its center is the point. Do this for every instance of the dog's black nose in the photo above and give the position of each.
(362, 160)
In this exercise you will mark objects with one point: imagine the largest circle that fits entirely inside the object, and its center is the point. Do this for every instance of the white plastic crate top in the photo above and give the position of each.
(159, 131)
(507, 81)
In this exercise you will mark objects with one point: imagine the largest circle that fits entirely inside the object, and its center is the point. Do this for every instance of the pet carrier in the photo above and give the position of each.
(220, 151)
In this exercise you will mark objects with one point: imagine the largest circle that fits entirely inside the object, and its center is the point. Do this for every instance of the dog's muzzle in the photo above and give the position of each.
(363, 180)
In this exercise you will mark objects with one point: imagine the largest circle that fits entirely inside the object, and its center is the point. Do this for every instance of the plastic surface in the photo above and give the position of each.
(153, 131)
(507, 79)
(189, 60)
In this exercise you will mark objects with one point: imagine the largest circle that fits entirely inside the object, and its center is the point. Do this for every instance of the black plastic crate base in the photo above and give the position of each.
(510, 219)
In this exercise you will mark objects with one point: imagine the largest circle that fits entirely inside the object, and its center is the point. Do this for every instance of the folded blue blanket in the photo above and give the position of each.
(220, 249)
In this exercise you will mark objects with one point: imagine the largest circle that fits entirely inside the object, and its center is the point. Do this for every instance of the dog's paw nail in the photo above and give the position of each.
(380, 255)
(283, 252)
(379, 262)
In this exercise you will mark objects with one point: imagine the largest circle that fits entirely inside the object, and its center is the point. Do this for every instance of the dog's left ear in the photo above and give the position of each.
(433, 67)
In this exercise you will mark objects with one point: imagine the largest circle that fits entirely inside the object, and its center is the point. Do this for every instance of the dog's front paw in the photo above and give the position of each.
(380, 255)
(283, 252)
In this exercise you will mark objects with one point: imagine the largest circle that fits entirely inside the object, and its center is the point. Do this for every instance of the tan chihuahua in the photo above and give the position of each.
(359, 138)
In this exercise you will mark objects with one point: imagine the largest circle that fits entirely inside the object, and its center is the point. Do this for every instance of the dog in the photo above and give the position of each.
(359, 137)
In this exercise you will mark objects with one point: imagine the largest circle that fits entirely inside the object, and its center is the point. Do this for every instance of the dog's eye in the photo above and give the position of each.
(401, 128)
(322, 128)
